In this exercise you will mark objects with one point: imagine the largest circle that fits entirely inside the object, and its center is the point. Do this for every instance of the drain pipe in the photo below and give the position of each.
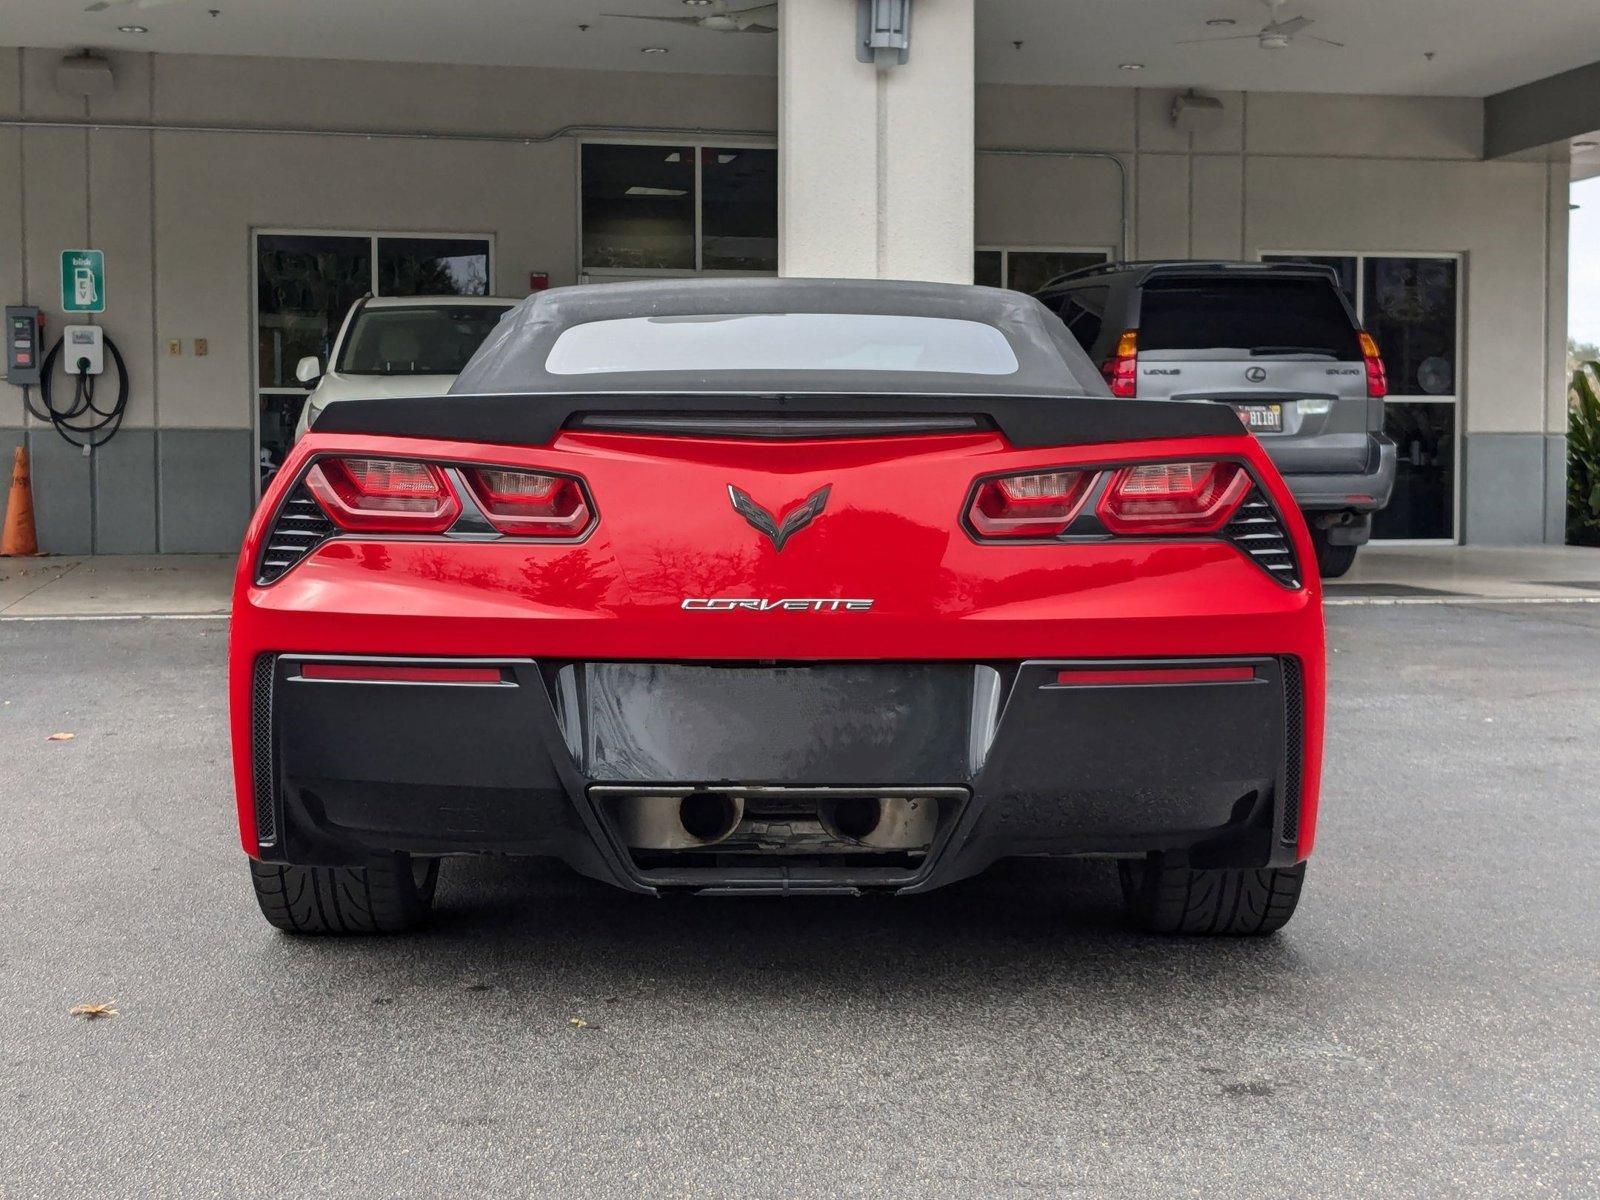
(538, 139)
(396, 135)
(1101, 155)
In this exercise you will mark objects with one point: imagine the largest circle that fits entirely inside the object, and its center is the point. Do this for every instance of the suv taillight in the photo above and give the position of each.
(1172, 498)
(530, 504)
(1377, 378)
(1122, 368)
(384, 495)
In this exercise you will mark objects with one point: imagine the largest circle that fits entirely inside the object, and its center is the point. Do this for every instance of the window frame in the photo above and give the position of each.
(1457, 396)
(254, 266)
(622, 274)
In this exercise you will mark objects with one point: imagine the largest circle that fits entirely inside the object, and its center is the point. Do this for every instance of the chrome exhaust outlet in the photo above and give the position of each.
(881, 822)
(685, 821)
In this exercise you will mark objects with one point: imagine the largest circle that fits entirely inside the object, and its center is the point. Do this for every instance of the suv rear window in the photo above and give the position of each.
(421, 340)
(1246, 316)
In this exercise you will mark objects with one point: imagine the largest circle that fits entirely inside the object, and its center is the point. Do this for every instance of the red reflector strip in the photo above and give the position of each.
(397, 673)
(1145, 675)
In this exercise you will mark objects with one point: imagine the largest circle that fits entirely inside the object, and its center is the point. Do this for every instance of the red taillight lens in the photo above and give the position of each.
(1145, 676)
(384, 495)
(1028, 506)
(529, 504)
(352, 672)
(1180, 497)
(1122, 369)
(1377, 377)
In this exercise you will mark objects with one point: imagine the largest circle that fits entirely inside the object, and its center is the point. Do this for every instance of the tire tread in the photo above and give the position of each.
(1165, 896)
(383, 896)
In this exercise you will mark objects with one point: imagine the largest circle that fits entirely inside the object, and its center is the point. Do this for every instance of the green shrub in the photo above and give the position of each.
(1583, 456)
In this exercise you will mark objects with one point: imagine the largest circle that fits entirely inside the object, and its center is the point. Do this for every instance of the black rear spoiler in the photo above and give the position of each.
(534, 419)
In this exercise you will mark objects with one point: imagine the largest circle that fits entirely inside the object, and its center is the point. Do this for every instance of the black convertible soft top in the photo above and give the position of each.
(513, 358)
(506, 393)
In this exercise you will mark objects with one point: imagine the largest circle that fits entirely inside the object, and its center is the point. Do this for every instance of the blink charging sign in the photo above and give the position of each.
(83, 281)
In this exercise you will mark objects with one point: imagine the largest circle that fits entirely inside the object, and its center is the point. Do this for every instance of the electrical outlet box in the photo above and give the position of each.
(22, 345)
(83, 350)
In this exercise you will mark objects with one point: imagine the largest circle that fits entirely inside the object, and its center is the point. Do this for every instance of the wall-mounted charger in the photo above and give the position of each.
(83, 350)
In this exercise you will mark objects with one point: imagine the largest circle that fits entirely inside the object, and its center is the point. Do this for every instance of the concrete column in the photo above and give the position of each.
(875, 162)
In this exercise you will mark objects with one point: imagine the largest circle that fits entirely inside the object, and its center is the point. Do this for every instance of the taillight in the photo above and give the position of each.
(1377, 378)
(1041, 505)
(1168, 498)
(529, 504)
(384, 495)
(1122, 368)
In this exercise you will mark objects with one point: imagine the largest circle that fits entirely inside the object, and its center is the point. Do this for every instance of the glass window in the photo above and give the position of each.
(1245, 316)
(988, 269)
(739, 217)
(783, 342)
(426, 340)
(1344, 266)
(1029, 270)
(279, 413)
(1410, 308)
(304, 286)
(1423, 504)
(433, 267)
(1084, 312)
(639, 207)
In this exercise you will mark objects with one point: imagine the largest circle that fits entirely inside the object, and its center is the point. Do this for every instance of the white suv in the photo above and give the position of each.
(398, 346)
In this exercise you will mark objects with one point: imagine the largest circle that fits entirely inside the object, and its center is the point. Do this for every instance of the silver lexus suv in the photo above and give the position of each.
(1277, 341)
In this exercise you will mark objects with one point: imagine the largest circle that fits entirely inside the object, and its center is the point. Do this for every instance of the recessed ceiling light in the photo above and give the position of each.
(1130, 66)
(697, 3)
(1218, 22)
(653, 50)
(133, 29)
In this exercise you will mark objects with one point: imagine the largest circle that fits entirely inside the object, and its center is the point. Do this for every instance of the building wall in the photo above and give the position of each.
(174, 211)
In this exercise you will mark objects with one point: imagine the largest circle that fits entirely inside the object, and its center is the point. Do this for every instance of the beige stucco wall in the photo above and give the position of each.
(174, 210)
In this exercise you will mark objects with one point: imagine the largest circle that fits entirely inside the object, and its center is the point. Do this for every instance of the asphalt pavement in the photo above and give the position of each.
(1426, 1026)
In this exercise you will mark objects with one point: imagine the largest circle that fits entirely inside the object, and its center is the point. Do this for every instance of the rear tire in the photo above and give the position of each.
(390, 894)
(1167, 896)
(1332, 561)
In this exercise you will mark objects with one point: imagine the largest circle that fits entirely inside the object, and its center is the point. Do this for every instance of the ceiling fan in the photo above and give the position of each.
(102, 5)
(762, 18)
(1276, 34)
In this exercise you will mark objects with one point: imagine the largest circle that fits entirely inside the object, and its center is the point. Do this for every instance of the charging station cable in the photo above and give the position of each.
(82, 422)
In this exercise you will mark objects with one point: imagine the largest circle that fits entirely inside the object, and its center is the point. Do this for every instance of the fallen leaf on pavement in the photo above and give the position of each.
(580, 1023)
(93, 1012)
(61, 737)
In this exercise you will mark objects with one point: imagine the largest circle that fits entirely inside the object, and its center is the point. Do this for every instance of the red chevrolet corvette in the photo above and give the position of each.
(777, 586)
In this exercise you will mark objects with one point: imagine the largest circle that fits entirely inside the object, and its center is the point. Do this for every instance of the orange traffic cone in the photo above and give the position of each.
(19, 537)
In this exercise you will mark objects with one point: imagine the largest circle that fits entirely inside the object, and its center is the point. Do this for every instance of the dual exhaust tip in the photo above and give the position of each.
(701, 819)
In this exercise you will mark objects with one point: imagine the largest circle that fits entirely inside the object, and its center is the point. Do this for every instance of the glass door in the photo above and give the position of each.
(306, 283)
(1411, 304)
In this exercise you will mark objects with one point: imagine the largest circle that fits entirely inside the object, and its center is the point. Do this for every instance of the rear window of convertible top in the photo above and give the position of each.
(783, 342)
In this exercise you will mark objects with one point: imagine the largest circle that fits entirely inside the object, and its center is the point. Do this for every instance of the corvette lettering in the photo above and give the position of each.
(709, 604)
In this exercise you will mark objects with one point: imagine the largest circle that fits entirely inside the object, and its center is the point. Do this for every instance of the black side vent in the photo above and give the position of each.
(263, 774)
(300, 526)
(1257, 531)
(1294, 742)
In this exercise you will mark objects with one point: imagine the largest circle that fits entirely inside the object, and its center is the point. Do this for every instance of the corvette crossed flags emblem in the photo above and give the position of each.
(779, 531)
